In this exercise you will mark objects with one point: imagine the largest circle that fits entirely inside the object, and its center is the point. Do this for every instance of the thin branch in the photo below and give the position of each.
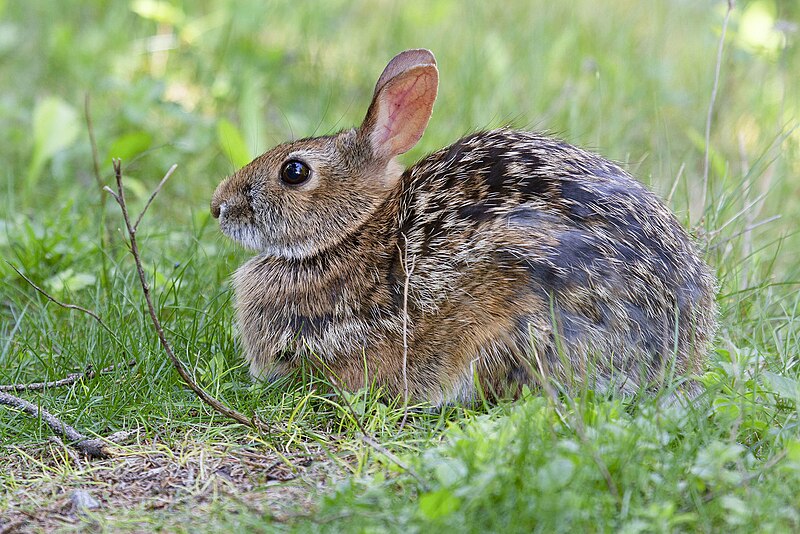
(105, 237)
(211, 401)
(93, 448)
(68, 380)
(153, 196)
(67, 305)
(52, 299)
(713, 100)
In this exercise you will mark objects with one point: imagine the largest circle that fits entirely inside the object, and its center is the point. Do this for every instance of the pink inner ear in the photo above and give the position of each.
(405, 107)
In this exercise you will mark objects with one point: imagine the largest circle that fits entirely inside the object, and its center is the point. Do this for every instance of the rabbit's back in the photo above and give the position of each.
(593, 272)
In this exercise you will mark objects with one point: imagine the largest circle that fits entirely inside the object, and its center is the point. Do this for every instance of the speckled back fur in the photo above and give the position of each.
(525, 258)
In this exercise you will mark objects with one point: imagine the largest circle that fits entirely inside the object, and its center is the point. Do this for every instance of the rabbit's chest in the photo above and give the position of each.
(296, 312)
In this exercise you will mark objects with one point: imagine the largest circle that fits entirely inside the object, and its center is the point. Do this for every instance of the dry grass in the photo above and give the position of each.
(175, 484)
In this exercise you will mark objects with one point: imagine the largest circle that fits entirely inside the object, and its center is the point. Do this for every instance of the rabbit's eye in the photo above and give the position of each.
(295, 172)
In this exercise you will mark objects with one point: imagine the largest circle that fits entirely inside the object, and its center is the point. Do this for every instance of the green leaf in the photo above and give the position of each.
(450, 471)
(557, 473)
(232, 143)
(127, 146)
(715, 463)
(439, 503)
(162, 12)
(55, 127)
(135, 187)
(69, 280)
(782, 385)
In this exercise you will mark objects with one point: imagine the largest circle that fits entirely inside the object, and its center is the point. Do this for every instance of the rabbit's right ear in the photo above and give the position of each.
(402, 103)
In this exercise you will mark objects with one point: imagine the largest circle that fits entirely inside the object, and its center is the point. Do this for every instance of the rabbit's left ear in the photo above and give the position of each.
(402, 103)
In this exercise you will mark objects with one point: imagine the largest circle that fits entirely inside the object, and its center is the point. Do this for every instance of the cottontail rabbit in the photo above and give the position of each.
(505, 259)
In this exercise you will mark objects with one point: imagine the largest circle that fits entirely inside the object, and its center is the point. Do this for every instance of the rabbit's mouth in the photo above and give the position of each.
(246, 235)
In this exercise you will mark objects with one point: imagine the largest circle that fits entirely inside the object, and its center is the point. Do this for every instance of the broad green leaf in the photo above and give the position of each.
(55, 127)
(135, 187)
(232, 143)
(450, 471)
(69, 280)
(784, 386)
(557, 473)
(129, 145)
(438, 503)
(713, 461)
(251, 102)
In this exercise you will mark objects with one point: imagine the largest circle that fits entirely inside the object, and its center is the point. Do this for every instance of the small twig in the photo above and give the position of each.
(52, 299)
(102, 228)
(93, 448)
(211, 401)
(407, 270)
(69, 379)
(713, 100)
(153, 196)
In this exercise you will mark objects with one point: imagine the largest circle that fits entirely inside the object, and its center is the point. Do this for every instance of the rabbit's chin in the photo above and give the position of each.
(244, 235)
(254, 239)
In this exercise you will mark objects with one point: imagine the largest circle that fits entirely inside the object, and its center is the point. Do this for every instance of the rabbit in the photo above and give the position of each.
(507, 259)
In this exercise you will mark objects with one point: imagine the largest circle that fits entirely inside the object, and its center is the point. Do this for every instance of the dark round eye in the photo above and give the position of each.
(295, 172)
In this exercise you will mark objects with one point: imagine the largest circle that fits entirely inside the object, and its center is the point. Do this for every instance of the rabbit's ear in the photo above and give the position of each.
(402, 103)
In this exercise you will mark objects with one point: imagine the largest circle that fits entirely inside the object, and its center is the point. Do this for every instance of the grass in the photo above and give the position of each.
(207, 85)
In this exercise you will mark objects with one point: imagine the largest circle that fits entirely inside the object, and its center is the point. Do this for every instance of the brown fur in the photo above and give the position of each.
(528, 258)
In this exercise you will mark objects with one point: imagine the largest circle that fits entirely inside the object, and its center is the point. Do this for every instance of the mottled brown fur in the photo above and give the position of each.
(529, 258)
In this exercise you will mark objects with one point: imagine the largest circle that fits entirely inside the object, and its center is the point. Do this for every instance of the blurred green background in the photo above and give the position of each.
(207, 84)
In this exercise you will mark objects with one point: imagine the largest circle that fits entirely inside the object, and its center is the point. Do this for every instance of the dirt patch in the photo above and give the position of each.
(50, 488)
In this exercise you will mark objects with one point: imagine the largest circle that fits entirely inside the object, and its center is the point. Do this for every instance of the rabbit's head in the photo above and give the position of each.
(305, 196)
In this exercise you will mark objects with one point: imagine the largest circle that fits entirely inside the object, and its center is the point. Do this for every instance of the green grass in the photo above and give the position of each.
(207, 85)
